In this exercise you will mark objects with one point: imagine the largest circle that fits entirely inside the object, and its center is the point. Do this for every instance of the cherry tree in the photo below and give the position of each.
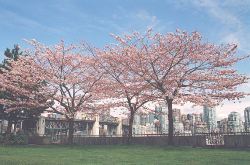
(181, 68)
(69, 74)
(16, 103)
(14, 116)
(25, 92)
(121, 86)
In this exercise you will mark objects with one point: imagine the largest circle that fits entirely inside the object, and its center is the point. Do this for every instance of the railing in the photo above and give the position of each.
(226, 133)
(147, 135)
(143, 135)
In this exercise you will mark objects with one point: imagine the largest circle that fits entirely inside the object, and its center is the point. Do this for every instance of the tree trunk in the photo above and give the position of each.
(71, 131)
(9, 127)
(170, 121)
(15, 124)
(130, 127)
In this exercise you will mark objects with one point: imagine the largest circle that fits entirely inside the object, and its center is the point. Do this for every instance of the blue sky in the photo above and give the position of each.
(49, 21)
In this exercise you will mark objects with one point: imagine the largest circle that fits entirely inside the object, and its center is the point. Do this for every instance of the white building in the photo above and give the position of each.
(209, 117)
(235, 123)
(247, 119)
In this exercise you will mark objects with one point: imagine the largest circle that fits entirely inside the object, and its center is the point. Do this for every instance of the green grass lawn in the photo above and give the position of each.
(121, 154)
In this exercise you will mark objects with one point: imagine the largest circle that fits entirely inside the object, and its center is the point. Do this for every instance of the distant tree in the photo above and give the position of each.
(9, 55)
(181, 68)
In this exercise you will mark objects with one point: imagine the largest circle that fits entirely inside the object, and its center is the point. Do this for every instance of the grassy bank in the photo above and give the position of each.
(60, 155)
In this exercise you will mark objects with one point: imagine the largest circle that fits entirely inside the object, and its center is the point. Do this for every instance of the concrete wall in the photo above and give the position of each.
(198, 141)
(145, 140)
(237, 140)
(40, 140)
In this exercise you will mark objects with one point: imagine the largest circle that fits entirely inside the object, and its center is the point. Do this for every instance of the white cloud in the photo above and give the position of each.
(147, 20)
(232, 38)
(14, 19)
(222, 14)
(228, 13)
(237, 3)
(145, 16)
